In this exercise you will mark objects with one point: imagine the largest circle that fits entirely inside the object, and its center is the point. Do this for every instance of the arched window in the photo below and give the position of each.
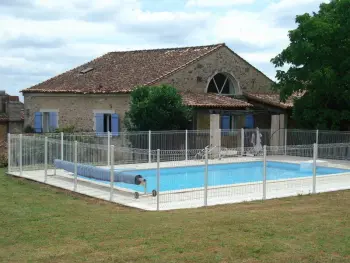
(224, 84)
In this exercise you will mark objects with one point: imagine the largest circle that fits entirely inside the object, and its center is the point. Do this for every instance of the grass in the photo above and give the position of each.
(39, 223)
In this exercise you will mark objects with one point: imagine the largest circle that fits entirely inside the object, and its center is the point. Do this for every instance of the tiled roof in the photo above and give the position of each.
(273, 99)
(210, 100)
(13, 98)
(120, 72)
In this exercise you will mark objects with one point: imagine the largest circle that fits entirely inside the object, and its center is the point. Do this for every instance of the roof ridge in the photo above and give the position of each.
(164, 49)
(186, 64)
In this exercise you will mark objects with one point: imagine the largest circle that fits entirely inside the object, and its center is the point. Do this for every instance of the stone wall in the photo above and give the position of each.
(14, 109)
(3, 132)
(76, 110)
(15, 127)
(197, 76)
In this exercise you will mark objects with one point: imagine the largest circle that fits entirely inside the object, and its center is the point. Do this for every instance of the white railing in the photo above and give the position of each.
(199, 139)
(33, 156)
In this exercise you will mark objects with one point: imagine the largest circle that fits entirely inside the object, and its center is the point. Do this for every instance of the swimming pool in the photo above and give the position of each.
(222, 174)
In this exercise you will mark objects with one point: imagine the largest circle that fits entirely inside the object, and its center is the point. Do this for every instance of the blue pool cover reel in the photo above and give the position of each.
(99, 173)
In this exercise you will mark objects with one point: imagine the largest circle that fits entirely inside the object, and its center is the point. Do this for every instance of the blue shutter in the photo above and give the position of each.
(225, 124)
(99, 123)
(249, 121)
(115, 124)
(38, 118)
(53, 121)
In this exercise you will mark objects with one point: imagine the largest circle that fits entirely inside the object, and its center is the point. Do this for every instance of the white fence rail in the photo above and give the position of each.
(180, 178)
(199, 139)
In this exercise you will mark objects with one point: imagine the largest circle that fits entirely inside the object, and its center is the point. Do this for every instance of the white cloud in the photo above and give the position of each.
(292, 6)
(217, 3)
(258, 57)
(66, 28)
(41, 38)
(166, 27)
(249, 27)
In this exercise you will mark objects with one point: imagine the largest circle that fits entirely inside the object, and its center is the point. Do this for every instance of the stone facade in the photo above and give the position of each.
(3, 131)
(74, 110)
(11, 115)
(77, 109)
(196, 76)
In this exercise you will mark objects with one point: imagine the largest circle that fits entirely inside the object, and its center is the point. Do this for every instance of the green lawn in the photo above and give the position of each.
(39, 223)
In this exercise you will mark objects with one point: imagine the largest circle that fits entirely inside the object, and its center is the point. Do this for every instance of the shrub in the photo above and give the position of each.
(3, 154)
(67, 129)
(157, 108)
(3, 160)
(29, 129)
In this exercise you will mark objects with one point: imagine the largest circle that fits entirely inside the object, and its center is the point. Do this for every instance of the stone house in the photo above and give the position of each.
(224, 90)
(11, 115)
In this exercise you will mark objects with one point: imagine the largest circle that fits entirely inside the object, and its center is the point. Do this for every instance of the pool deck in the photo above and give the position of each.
(191, 198)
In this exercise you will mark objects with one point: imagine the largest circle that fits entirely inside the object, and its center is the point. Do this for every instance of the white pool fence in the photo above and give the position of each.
(33, 156)
(199, 139)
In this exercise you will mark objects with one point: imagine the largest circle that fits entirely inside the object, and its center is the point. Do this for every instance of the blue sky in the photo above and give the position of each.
(42, 38)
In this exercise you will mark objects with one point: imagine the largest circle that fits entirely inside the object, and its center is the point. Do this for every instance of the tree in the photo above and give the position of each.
(319, 60)
(157, 108)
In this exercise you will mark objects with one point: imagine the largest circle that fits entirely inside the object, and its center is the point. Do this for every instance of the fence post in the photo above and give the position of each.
(108, 147)
(45, 159)
(316, 137)
(112, 174)
(186, 144)
(62, 136)
(242, 141)
(314, 168)
(149, 147)
(285, 141)
(206, 178)
(9, 152)
(75, 165)
(158, 177)
(20, 155)
(264, 174)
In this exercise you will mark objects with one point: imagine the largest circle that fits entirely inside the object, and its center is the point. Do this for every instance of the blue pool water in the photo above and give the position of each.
(222, 174)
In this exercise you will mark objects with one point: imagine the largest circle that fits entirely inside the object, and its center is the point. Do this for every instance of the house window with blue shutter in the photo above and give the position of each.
(46, 121)
(107, 122)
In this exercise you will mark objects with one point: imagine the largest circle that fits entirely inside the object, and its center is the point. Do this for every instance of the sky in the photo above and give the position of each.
(42, 38)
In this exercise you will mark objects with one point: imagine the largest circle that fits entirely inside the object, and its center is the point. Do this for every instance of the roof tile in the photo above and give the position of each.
(120, 72)
(211, 100)
(273, 99)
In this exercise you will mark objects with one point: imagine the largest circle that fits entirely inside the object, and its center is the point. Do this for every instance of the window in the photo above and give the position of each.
(222, 84)
(46, 121)
(86, 70)
(107, 122)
